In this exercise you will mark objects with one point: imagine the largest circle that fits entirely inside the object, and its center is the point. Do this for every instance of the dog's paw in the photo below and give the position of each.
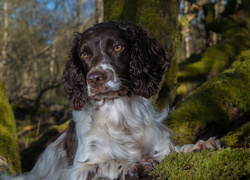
(211, 143)
(140, 170)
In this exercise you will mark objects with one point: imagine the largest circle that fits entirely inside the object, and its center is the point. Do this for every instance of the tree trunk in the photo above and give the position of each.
(214, 34)
(52, 61)
(187, 32)
(52, 67)
(80, 14)
(221, 6)
(99, 11)
(5, 38)
(64, 14)
(9, 151)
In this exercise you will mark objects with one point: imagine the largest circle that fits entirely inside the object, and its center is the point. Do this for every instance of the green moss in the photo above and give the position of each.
(209, 15)
(120, 10)
(184, 23)
(223, 164)
(240, 136)
(8, 141)
(62, 127)
(213, 101)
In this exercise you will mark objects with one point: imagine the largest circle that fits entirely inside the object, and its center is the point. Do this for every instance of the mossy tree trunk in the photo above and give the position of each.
(9, 151)
(210, 110)
(222, 102)
(160, 19)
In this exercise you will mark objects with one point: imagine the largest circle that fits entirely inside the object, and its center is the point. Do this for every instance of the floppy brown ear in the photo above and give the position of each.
(148, 61)
(73, 78)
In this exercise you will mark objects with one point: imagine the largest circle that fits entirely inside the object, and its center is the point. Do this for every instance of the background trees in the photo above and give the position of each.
(36, 36)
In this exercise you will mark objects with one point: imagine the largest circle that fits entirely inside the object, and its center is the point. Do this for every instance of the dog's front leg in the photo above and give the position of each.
(211, 143)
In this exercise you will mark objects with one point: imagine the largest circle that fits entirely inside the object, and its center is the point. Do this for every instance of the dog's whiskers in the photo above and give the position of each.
(126, 86)
(125, 80)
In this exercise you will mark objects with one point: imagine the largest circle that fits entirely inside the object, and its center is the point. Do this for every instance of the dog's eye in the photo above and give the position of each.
(84, 55)
(117, 48)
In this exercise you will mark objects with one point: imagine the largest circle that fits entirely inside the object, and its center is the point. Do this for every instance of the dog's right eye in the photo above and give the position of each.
(117, 48)
(84, 55)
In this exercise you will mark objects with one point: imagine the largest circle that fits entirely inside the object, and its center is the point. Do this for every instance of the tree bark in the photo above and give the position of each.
(80, 15)
(5, 38)
(187, 32)
(221, 6)
(99, 11)
(52, 61)
(214, 34)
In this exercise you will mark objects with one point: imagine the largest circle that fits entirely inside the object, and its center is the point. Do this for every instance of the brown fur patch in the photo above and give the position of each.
(70, 142)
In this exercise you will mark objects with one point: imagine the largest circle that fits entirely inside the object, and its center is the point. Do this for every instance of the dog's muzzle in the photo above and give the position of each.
(103, 83)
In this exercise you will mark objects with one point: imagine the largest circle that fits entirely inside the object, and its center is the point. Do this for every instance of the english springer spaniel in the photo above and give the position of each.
(113, 69)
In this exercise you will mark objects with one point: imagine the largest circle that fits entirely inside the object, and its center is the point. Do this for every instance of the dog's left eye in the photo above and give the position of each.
(117, 48)
(84, 55)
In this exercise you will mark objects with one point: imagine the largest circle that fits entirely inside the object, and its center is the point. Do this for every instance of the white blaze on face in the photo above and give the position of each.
(112, 83)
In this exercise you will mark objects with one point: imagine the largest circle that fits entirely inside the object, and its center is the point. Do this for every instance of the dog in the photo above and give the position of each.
(112, 71)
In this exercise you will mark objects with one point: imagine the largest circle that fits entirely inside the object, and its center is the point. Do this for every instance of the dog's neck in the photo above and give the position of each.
(134, 108)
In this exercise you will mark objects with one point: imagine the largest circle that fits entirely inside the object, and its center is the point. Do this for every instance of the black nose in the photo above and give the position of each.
(96, 79)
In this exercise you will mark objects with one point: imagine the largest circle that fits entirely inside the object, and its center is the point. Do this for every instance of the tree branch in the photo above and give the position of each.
(192, 12)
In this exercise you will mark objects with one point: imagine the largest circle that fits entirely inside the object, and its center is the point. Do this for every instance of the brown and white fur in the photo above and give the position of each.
(113, 69)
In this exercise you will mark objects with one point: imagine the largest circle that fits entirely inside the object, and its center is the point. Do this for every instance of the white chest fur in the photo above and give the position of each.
(124, 129)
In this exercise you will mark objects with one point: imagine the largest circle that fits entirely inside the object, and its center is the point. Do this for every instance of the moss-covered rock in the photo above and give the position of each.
(223, 164)
(9, 151)
(212, 103)
(238, 137)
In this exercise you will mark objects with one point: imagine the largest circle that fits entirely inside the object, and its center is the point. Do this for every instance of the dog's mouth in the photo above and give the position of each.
(109, 94)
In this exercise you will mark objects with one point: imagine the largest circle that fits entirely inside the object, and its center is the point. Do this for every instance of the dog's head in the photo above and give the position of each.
(110, 60)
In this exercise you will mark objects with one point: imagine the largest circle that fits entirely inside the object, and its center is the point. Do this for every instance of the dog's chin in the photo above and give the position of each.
(108, 95)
